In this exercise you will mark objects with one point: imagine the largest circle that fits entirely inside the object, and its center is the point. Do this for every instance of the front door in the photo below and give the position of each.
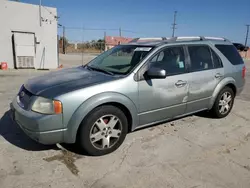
(161, 99)
(205, 73)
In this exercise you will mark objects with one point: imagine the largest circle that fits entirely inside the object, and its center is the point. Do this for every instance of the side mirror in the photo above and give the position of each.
(154, 72)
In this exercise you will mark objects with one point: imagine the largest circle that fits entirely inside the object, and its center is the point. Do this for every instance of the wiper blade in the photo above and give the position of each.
(100, 70)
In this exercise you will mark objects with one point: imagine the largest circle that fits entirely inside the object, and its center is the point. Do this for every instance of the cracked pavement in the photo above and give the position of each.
(192, 152)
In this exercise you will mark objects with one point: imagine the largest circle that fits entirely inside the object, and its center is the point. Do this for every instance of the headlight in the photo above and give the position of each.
(47, 106)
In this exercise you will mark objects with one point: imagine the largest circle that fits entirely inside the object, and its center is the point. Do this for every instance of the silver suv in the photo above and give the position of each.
(128, 87)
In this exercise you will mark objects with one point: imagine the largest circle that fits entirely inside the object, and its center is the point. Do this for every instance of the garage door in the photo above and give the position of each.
(24, 49)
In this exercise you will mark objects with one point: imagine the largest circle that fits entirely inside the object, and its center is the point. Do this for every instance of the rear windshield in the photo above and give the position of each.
(231, 53)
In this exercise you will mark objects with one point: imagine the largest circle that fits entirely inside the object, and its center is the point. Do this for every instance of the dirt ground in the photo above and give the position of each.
(193, 152)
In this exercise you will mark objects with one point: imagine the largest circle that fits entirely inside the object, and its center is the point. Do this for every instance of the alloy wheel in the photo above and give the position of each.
(105, 132)
(225, 103)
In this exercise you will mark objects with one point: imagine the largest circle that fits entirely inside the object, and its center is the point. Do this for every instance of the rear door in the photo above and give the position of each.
(237, 69)
(205, 72)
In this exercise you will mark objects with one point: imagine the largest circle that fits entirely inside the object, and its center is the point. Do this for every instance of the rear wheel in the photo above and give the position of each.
(103, 130)
(223, 103)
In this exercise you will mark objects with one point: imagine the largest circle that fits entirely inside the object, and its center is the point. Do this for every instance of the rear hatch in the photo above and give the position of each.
(233, 56)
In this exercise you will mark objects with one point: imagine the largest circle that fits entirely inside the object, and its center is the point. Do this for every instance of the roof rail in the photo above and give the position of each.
(215, 38)
(175, 39)
(149, 39)
(194, 38)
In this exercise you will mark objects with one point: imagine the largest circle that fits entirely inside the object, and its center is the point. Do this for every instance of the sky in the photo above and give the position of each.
(152, 18)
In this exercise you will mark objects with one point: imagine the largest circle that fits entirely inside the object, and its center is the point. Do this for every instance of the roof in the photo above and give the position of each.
(112, 40)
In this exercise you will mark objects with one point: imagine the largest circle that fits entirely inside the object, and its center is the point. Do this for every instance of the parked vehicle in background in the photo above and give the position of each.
(240, 47)
(128, 87)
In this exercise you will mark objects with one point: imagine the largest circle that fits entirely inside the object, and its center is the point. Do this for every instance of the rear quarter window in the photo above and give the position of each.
(231, 53)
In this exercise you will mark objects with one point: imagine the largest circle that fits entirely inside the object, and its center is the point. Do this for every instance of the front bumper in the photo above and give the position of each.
(45, 129)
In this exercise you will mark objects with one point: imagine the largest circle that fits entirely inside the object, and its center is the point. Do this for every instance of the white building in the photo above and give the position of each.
(24, 41)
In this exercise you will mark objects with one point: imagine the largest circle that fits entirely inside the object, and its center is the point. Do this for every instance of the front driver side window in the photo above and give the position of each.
(171, 59)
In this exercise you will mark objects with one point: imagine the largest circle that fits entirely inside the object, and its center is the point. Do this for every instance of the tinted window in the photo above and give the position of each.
(231, 53)
(200, 57)
(158, 57)
(170, 59)
(216, 60)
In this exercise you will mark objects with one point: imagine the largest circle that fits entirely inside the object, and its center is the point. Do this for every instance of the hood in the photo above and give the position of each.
(59, 82)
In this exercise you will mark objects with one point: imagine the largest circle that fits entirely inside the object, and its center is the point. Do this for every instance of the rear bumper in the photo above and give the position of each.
(45, 129)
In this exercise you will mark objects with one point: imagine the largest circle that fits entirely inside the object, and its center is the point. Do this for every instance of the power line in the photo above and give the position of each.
(174, 24)
(128, 31)
(102, 29)
(50, 12)
(97, 29)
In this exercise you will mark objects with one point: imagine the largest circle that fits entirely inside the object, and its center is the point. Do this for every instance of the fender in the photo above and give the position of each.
(91, 103)
(219, 87)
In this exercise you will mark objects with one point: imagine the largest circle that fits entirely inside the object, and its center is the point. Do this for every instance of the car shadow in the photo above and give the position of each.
(205, 114)
(12, 133)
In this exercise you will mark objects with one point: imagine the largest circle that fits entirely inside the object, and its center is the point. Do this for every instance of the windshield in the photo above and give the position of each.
(120, 59)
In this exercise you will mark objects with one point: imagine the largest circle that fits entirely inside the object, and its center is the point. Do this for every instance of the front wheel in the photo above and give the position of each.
(223, 103)
(103, 130)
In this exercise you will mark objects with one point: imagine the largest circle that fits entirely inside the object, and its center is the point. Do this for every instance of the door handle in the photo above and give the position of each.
(180, 83)
(218, 75)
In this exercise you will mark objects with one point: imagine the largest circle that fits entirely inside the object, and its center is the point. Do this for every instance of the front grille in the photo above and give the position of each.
(24, 97)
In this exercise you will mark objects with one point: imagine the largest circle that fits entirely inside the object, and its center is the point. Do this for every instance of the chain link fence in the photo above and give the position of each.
(86, 40)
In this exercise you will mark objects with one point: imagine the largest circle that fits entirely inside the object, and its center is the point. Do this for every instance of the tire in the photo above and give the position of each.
(93, 140)
(217, 107)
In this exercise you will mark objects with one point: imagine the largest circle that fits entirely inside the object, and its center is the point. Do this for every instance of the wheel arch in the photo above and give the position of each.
(108, 98)
(227, 82)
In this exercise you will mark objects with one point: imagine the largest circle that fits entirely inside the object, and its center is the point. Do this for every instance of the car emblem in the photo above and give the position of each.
(22, 94)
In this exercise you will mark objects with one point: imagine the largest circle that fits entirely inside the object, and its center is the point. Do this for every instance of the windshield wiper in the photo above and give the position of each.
(100, 70)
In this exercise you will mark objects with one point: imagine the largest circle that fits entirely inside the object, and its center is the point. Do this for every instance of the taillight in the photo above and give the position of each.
(243, 72)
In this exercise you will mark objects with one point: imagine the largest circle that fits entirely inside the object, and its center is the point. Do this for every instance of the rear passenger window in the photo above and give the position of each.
(200, 57)
(216, 60)
(231, 53)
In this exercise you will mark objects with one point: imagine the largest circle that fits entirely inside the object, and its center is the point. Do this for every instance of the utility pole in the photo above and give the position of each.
(174, 24)
(246, 38)
(40, 12)
(120, 31)
(64, 42)
(104, 41)
(247, 34)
